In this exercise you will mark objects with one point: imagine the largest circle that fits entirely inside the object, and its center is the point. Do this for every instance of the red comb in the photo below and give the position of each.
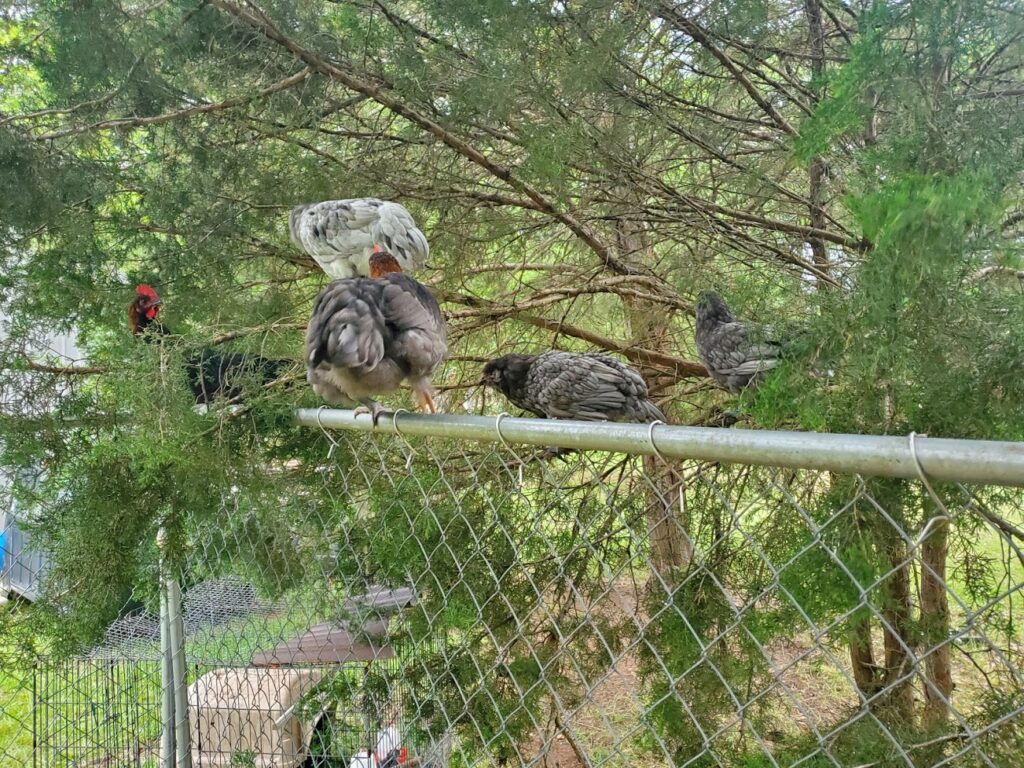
(377, 248)
(145, 290)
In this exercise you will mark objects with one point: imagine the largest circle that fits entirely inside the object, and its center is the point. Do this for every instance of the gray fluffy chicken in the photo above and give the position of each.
(736, 354)
(341, 235)
(566, 385)
(369, 334)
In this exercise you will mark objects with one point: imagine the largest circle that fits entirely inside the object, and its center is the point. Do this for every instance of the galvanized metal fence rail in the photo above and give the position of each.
(460, 590)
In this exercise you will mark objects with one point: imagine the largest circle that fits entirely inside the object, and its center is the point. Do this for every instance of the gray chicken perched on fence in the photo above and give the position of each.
(566, 385)
(341, 235)
(736, 354)
(369, 334)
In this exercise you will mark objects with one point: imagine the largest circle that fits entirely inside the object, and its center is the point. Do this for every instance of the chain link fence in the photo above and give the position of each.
(516, 592)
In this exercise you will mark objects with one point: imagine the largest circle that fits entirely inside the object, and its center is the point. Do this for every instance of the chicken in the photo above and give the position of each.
(369, 334)
(736, 354)
(341, 235)
(566, 385)
(210, 374)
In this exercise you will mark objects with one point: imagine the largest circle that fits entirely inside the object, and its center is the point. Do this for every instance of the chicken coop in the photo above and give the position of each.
(308, 701)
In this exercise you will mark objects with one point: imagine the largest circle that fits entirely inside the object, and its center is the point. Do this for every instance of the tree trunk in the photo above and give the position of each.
(862, 657)
(671, 548)
(899, 697)
(935, 621)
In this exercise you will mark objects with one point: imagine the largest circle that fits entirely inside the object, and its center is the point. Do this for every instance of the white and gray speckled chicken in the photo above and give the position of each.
(341, 235)
(567, 385)
(736, 354)
(369, 334)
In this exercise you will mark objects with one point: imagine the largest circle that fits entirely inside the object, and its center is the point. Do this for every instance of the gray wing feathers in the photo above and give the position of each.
(347, 328)
(590, 387)
(420, 331)
(733, 358)
(396, 231)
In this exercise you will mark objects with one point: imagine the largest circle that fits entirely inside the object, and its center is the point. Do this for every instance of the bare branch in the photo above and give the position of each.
(677, 366)
(65, 370)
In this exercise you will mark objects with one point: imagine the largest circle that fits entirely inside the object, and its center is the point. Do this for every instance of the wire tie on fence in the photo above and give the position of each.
(412, 451)
(650, 439)
(501, 439)
(931, 491)
(497, 428)
(328, 435)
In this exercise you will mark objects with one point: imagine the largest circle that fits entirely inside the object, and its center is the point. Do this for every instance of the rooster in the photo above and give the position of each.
(341, 235)
(210, 374)
(369, 334)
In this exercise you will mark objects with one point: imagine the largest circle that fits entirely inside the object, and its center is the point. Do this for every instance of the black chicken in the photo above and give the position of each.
(736, 354)
(567, 385)
(369, 334)
(210, 374)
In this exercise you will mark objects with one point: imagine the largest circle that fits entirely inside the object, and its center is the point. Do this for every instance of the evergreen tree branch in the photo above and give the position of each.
(63, 370)
(256, 18)
(679, 367)
(694, 30)
(167, 117)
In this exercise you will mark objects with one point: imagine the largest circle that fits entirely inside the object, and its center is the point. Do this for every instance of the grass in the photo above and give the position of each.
(15, 717)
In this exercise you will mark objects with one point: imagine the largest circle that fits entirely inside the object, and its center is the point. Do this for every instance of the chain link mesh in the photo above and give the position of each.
(463, 603)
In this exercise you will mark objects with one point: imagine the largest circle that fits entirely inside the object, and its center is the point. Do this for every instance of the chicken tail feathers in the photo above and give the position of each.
(347, 336)
(650, 412)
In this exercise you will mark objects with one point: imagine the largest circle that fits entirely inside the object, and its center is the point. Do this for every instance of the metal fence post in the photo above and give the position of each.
(176, 623)
(166, 676)
(175, 750)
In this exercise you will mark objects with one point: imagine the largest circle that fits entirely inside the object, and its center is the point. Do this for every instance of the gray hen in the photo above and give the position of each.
(736, 354)
(341, 235)
(369, 334)
(565, 385)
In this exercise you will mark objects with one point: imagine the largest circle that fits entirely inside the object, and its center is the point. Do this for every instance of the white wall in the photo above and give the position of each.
(21, 567)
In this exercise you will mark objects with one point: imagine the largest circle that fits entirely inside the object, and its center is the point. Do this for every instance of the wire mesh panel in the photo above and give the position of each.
(95, 712)
(443, 601)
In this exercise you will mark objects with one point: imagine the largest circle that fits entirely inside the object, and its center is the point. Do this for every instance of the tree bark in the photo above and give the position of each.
(899, 699)
(862, 657)
(938, 687)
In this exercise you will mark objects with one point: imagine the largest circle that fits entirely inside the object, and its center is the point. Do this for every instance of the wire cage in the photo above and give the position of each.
(95, 711)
